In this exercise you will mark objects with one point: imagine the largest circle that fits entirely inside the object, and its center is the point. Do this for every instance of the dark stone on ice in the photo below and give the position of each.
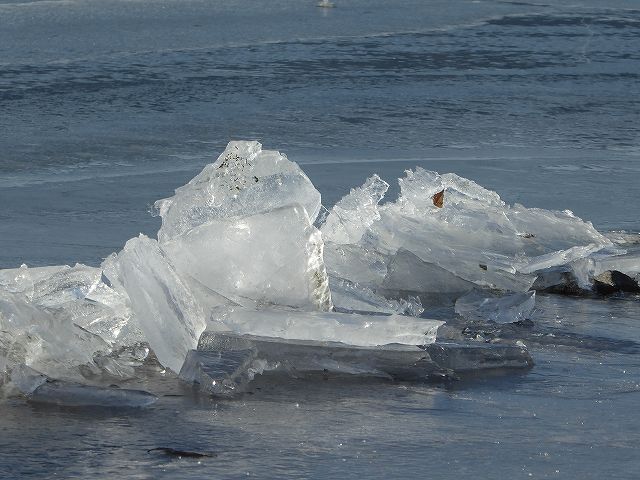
(172, 452)
(613, 281)
(558, 281)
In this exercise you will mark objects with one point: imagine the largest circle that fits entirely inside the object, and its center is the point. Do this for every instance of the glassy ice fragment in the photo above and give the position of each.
(354, 329)
(78, 395)
(164, 309)
(269, 258)
(507, 308)
(245, 180)
(354, 213)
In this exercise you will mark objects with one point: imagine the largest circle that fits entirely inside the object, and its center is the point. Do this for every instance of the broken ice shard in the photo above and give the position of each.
(46, 341)
(225, 363)
(474, 236)
(273, 257)
(243, 230)
(79, 395)
(507, 308)
(244, 181)
(164, 308)
(354, 329)
(42, 389)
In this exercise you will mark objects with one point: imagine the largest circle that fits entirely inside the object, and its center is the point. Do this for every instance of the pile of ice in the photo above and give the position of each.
(446, 234)
(239, 251)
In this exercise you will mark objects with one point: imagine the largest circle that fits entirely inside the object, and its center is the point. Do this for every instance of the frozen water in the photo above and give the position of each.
(349, 328)
(356, 263)
(628, 264)
(225, 363)
(78, 395)
(244, 181)
(164, 308)
(238, 251)
(456, 224)
(349, 296)
(349, 219)
(353, 329)
(221, 373)
(407, 272)
(268, 258)
(47, 342)
(500, 309)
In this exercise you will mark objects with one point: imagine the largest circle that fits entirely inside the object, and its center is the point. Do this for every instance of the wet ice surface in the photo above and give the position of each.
(536, 102)
(566, 418)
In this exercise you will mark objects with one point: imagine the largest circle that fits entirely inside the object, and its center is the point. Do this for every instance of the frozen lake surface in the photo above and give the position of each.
(107, 106)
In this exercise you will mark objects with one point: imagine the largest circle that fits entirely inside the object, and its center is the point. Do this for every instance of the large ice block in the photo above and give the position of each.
(354, 329)
(245, 180)
(225, 363)
(269, 258)
(455, 224)
(164, 308)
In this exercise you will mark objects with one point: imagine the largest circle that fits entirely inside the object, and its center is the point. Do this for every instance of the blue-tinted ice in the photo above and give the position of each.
(242, 255)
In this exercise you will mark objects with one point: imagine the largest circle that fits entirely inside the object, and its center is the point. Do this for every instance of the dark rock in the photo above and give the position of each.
(613, 281)
(558, 281)
(173, 452)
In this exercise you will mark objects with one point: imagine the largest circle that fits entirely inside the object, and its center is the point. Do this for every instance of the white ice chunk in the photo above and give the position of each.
(45, 341)
(245, 180)
(354, 329)
(165, 310)
(351, 296)
(22, 280)
(269, 258)
(355, 212)
(503, 309)
(454, 223)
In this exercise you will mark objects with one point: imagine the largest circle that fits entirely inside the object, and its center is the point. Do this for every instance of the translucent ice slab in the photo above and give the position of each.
(164, 308)
(354, 329)
(273, 257)
(41, 389)
(457, 225)
(500, 309)
(244, 181)
(79, 395)
(225, 363)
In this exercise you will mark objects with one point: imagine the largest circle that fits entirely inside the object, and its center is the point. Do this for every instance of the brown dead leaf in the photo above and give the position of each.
(438, 199)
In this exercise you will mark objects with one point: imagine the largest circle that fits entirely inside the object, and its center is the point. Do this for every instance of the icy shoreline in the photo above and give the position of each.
(242, 249)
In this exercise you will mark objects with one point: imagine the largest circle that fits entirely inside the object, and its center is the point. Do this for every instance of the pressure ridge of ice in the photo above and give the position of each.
(239, 251)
